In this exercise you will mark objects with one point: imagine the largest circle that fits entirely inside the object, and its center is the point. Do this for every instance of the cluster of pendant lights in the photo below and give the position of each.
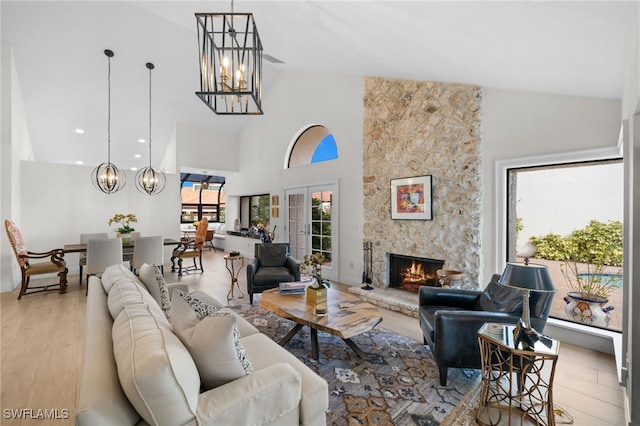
(107, 177)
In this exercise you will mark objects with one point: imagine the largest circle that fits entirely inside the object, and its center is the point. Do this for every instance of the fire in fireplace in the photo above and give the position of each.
(410, 272)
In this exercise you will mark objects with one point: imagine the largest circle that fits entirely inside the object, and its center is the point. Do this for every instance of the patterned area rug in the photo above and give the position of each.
(398, 385)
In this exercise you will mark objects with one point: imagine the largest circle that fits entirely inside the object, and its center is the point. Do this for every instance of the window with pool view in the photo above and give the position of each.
(569, 218)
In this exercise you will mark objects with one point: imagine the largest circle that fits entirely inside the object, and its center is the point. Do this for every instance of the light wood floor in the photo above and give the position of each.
(43, 337)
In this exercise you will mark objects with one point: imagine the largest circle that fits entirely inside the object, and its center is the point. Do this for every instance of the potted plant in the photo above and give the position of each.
(586, 255)
(317, 291)
(590, 289)
(124, 220)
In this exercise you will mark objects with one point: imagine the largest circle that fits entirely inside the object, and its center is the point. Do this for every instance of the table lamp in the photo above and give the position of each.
(527, 277)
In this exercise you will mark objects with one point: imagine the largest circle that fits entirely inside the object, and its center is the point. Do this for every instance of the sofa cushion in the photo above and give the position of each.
(126, 292)
(314, 398)
(116, 272)
(272, 255)
(244, 326)
(155, 370)
(499, 298)
(212, 337)
(152, 278)
(101, 400)
(272, 274)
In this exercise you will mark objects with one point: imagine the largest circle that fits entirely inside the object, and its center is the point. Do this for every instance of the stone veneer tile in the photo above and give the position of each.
(415, 128)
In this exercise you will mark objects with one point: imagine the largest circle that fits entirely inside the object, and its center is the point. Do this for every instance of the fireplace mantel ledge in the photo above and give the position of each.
(390, 298)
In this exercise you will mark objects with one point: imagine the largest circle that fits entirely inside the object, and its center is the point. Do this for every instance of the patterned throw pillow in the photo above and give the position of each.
(211, 335)
(152, 278)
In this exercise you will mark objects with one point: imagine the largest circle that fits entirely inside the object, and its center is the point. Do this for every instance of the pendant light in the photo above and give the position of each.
(230, 63)
(107, 177)
(149, 180)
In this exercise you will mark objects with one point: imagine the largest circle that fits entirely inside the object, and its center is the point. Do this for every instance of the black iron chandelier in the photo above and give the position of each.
(149, 180)
(107, 177)
(230, 63)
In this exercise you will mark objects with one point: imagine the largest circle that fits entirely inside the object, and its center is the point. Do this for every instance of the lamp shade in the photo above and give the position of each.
(527, 276)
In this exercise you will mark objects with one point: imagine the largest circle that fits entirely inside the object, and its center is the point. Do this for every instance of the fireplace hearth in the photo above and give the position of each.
(410, 272)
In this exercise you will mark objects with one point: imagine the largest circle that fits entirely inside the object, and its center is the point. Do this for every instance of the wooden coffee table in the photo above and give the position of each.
(356, 317)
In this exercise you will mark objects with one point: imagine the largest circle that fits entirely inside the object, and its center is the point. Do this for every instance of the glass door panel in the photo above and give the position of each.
(297, 221)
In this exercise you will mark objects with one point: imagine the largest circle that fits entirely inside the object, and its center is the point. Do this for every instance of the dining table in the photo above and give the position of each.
(82, 247)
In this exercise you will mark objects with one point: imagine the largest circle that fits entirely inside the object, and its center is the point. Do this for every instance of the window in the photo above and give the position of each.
(314, 145)
(254, 209)
(552, 210)
(202, 196)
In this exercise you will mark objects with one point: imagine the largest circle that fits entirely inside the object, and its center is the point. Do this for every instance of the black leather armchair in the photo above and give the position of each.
(272, 265)
(450, 319)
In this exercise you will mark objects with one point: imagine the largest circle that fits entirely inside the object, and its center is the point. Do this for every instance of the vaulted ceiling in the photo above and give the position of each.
(577, 48)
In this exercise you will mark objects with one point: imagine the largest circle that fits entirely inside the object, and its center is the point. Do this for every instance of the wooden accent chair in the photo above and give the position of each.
(208, 241)
(56, 263)
(191, 249)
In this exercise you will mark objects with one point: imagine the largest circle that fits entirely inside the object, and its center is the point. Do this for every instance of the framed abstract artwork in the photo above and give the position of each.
(411, 198)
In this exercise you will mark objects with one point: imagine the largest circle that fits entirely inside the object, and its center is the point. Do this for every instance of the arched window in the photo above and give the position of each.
(313, 145)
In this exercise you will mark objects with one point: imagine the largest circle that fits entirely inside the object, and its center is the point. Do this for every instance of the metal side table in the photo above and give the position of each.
(517, 384)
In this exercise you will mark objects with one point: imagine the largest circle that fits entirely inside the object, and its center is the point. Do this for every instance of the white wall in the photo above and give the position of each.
(205, 148)
(295, 101)
(15, 146)
(60, 202)
(517, 125)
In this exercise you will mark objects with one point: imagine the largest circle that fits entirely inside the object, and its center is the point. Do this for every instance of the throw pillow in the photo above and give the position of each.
(499, 298)
(152, 278)
(212, 338)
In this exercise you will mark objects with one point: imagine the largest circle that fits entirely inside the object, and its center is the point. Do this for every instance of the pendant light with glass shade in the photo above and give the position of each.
(149, 180)
(107, 177)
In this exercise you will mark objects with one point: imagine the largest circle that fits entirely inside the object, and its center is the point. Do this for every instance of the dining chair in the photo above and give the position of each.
(84, 238)
(191, 249)
(101, 253)
(127, 249)
(55, 264)
(148, 250)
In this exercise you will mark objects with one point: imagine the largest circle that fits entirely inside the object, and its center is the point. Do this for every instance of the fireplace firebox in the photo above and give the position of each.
(410, 272)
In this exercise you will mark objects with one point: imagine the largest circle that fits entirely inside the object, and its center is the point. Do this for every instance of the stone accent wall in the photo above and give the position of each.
(415, 128)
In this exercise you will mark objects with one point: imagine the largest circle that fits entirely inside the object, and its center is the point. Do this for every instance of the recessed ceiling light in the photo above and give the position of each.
(79, 162)
(141, 140)
(137, 155)
(134, 169)
(79, 131)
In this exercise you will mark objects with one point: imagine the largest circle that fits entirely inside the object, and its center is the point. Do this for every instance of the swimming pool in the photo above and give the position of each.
(614, 280)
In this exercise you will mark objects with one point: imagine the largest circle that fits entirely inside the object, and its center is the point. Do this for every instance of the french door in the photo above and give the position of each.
(311, 224)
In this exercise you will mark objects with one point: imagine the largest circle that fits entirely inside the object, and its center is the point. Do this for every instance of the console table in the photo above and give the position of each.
(517, 384)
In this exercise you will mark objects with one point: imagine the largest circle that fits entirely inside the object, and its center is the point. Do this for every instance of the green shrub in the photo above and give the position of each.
(597, 243)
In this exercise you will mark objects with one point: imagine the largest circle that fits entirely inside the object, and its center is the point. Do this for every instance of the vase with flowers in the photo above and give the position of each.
(124, 220)
(317, 291)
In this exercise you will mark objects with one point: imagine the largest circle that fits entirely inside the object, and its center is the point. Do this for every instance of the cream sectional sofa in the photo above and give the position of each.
(136, 371)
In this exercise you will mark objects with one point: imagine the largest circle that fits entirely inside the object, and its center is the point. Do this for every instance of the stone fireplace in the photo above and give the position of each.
(410, 272)
(419, 128)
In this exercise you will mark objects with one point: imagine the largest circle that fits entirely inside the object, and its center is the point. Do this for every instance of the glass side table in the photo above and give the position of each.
(517, 384)
(229, 264)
